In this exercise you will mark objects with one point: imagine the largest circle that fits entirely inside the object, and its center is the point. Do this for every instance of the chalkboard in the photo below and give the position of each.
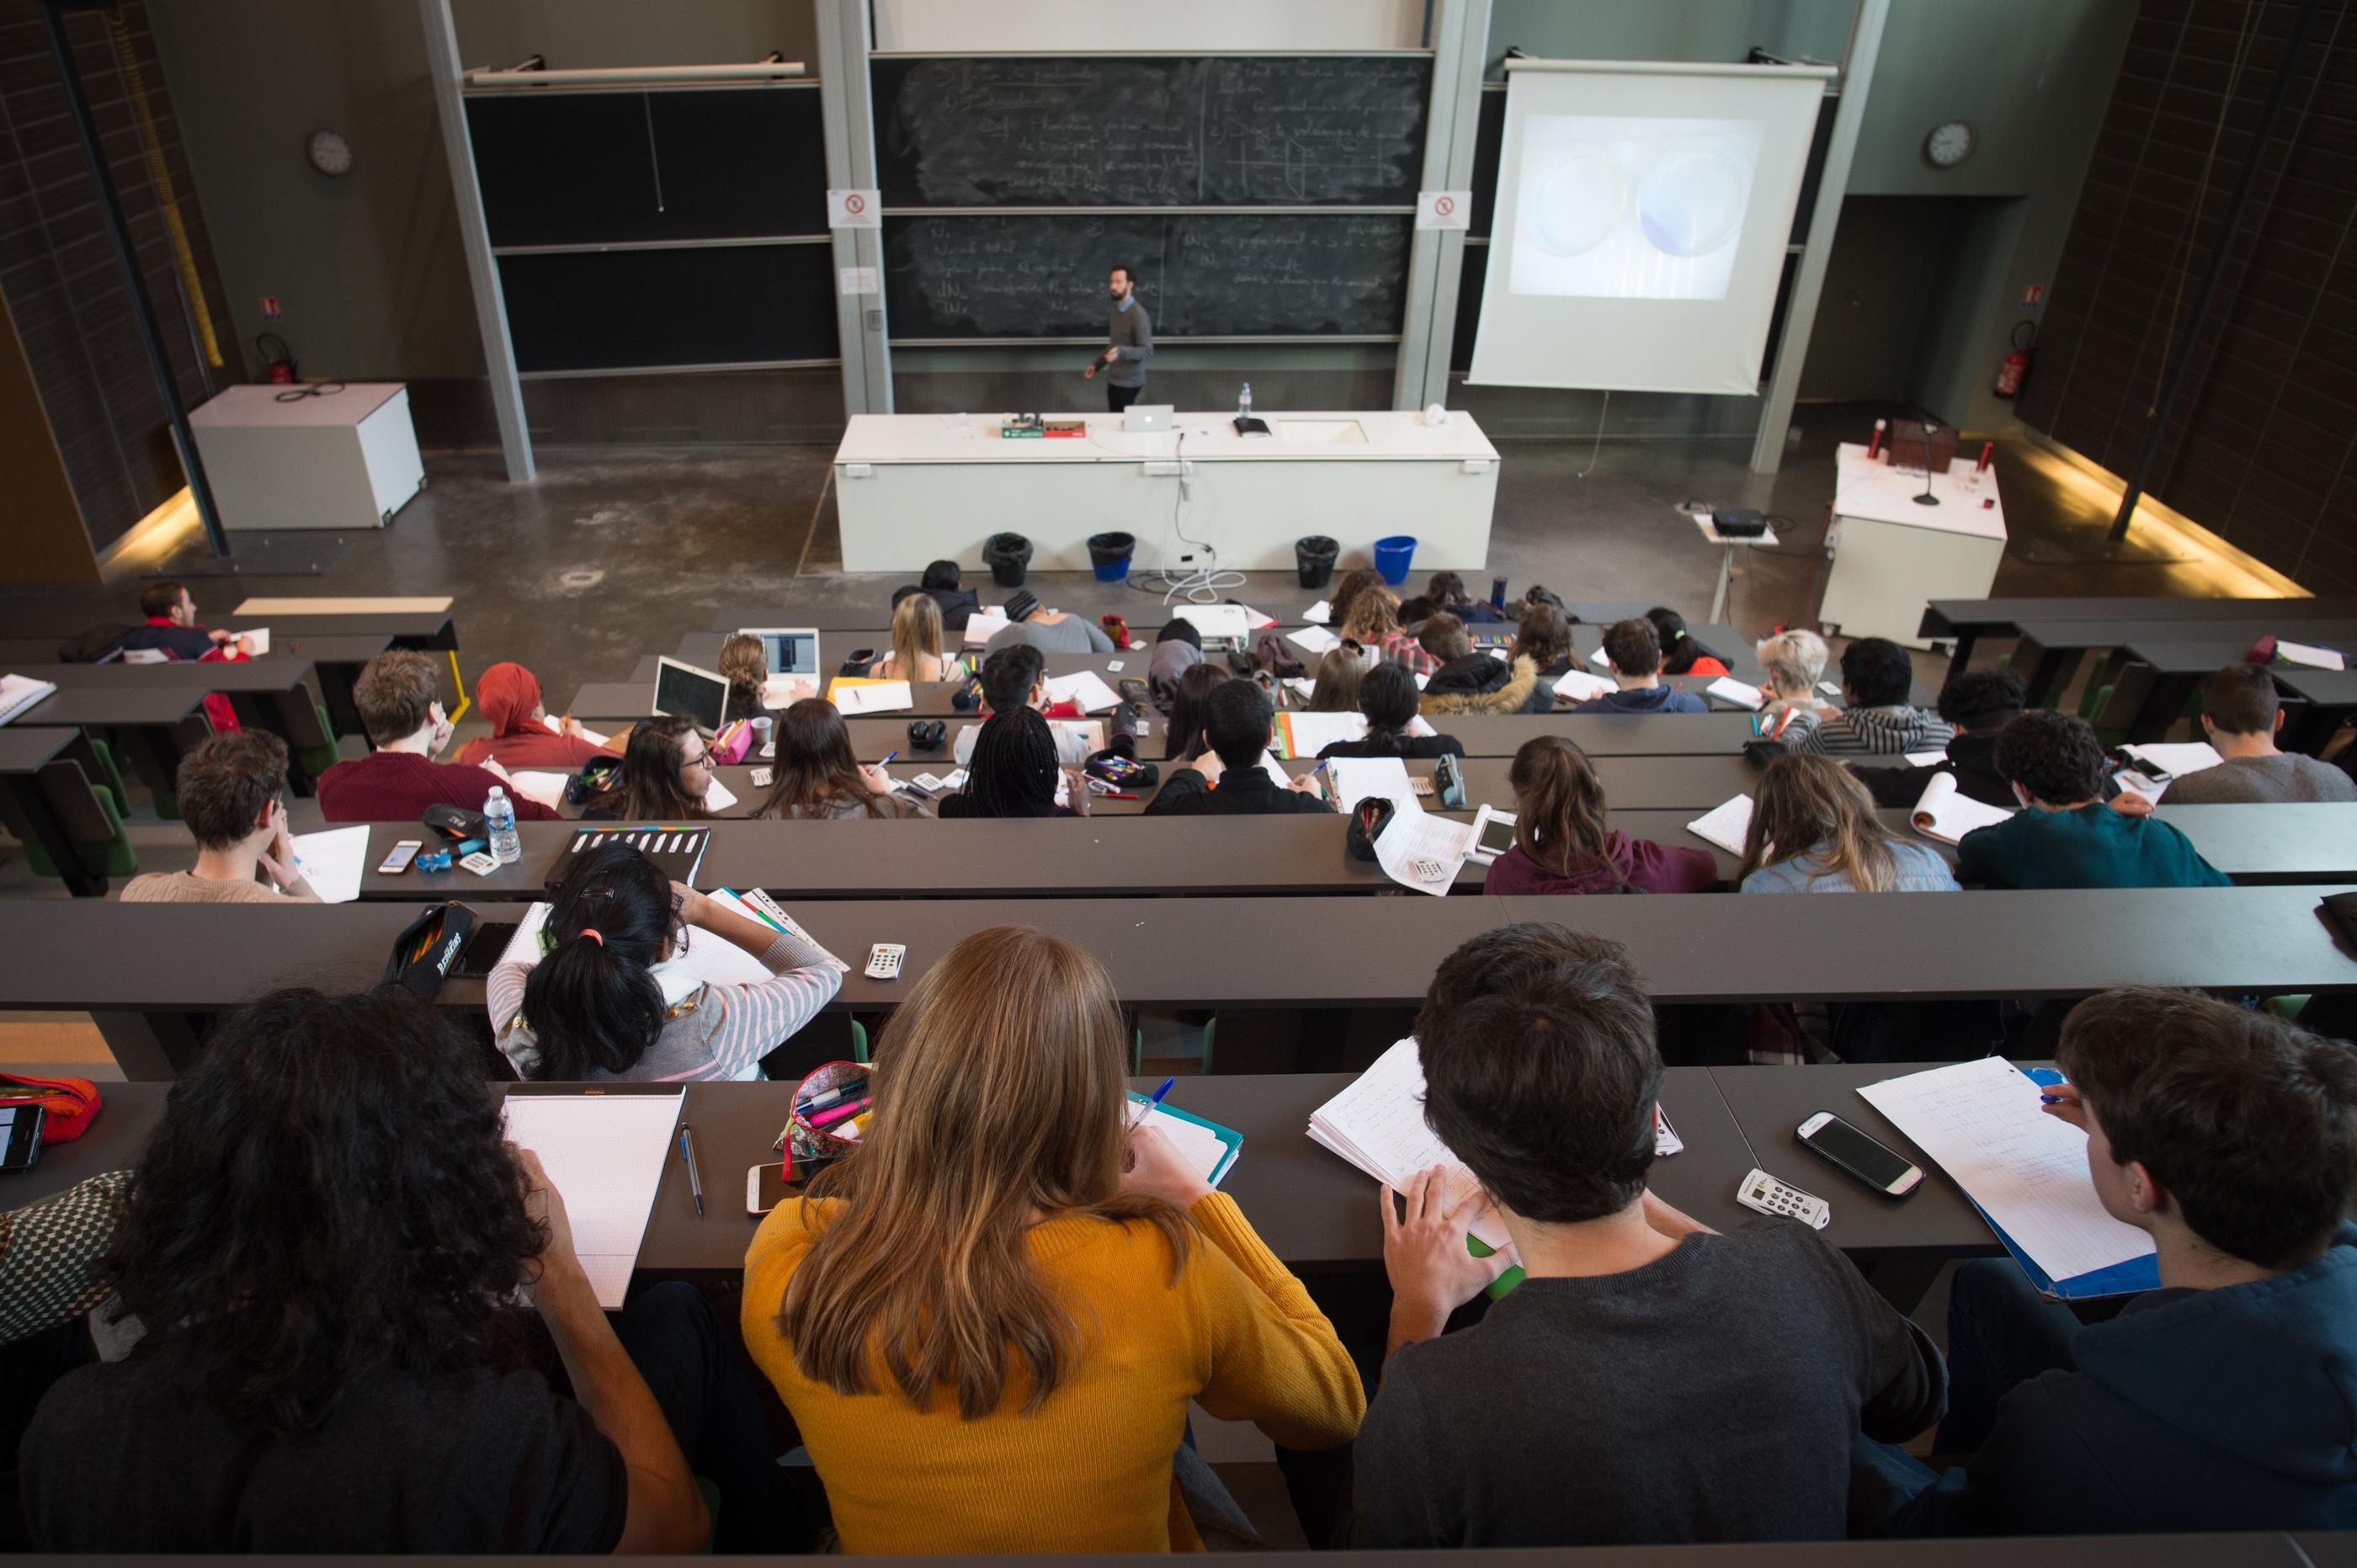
(1344, 130)
(570, 168)
(707, 305)
(1229, 275)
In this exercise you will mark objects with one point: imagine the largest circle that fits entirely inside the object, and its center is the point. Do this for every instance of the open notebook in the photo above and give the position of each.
(1946, 813)
(604, 1150)
(1209, 1148)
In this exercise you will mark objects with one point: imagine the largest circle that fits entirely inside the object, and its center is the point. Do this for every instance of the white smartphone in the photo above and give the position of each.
(765, 1188)
(403, 854)
(1855, 1155)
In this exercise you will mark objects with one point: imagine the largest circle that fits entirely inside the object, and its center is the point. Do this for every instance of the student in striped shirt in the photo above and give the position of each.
(615, 999)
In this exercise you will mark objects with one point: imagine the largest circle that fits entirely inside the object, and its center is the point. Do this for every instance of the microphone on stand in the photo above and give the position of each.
(1927, 497)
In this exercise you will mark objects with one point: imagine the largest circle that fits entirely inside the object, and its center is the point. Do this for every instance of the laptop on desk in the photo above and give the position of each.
(683, 691)
(790, 649)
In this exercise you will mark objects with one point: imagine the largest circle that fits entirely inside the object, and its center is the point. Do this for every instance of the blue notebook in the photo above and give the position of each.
(2120, 1279)
(1232, 1143)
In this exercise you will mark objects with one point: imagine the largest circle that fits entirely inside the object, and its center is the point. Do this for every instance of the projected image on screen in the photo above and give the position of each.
(1618, 206)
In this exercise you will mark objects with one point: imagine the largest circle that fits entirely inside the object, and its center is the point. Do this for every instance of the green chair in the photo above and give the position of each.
(89, 817)
(859, 1043)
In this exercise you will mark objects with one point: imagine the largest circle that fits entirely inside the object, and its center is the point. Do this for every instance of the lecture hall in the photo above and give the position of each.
(723, 728)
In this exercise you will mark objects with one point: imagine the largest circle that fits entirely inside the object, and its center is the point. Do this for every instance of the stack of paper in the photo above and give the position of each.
(2175, 759)
(984, 625)
(855, 697)
(1305, 735)
(1724, 824)
(548, 788)
(2312, 657)
(1579, 686)
(604, 1153)
(719, 796)
(331, 862)
(1209, 1150)
(18, 692)
(1946, 813)
(1314, 639)
(1424, 852)
(1086, 689)
(1321, 612)
(556, 726)
(2025, 1170)
(1727, 688)
(1351, 779)
(1377, 1124)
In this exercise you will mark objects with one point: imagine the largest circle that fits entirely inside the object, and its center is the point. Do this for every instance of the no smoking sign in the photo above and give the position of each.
(1444, 210)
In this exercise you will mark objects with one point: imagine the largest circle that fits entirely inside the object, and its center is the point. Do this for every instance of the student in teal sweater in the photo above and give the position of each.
(2064, 837)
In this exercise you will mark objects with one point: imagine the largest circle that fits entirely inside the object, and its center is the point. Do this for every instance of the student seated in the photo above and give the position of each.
(171, 618)
(1183, 740)
(1794, 662)
(1876, 718)
(1681, 654)
(1232, 780)
(1178, 648)
(1636, 656)
(2242, 715)
(1387, 697)
(1564, 841)
(2063, 836)
(1470, 682)
(817, 776)
(1978, 704)
(1033, 625)
(940, 584)
(1013, 772)
(1447, 591)
(1544, 637)
(230, 790)
(1650, 1380)
(1358, 580)
(743, 663)
(508, 695)
(399, 697)
(665, 775)
(916, 643)
(332, 1254)
(616, 998)
(1814, 830)
(1336, 688)
(2218, 1401)
(1013, 677)
(53, 1271)
(1374, 627)
(1034, 1397)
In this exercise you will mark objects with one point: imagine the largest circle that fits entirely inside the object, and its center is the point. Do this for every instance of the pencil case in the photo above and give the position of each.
(823, 1127)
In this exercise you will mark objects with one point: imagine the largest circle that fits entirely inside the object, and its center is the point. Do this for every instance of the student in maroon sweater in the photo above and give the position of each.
(399, 697)
(1564, 842)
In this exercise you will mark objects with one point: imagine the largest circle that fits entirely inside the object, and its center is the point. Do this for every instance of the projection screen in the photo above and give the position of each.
(1643, 211)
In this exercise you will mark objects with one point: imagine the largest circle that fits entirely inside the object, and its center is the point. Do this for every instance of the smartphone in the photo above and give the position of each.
(484, 948)
(20, 1136)
(1497, 836)
(398, 860)
(1855, 1155)
(765, 1188)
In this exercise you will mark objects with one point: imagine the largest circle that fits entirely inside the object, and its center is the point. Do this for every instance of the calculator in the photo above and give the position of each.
(1768, 1195)
(884, 961)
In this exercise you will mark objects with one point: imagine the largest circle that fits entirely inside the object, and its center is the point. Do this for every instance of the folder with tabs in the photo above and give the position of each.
(1209, 1147)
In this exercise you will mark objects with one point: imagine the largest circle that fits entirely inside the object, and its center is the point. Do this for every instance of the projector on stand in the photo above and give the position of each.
(1739, 522)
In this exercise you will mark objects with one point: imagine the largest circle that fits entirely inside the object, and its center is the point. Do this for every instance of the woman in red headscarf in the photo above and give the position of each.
(522, 736)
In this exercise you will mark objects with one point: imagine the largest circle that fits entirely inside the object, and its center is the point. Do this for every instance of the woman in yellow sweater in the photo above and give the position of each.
(986, 1328)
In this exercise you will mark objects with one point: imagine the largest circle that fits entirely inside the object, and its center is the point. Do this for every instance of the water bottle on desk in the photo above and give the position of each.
(499, 821)
(1243, 403)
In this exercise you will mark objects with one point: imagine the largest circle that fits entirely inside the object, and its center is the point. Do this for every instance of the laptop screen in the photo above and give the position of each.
(687, 691)
(791, 652)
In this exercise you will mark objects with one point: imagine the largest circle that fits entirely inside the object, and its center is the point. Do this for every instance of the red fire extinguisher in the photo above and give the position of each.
(2014, 367)
(277, 359)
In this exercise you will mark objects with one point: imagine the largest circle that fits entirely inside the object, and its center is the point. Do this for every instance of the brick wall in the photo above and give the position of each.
(58, 275)
(2262, 448)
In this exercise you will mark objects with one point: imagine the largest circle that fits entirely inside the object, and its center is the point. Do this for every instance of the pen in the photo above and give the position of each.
(695, 1177)
(888, 757)
(835, 1114)
(1148, 1108)
(1117, 795)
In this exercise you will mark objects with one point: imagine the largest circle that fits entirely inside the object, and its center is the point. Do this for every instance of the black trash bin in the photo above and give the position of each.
(1109, 555)
(1006, 555)
(1314, 558)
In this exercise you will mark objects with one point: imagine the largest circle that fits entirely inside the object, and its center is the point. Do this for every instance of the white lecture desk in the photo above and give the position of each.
(1892, 556)
(918, 488)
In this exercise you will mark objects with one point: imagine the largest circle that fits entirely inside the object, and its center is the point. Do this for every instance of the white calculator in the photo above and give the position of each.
(884, 961)
(1768, 1195)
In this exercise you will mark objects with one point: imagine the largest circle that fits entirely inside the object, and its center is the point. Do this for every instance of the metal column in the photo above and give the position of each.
(1436, 256)
(846, 94)
(443, 64)
(1824, 218)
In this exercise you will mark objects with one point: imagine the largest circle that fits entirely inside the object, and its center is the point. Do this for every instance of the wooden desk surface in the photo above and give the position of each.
(157, 704)
(272, 673)
(1946, 618)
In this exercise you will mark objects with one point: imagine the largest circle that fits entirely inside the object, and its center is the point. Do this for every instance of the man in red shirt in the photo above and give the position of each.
(171, 617)
(399, 697)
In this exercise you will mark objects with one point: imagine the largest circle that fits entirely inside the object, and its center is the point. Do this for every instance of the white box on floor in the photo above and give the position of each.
(335, 460)
(1893, 556)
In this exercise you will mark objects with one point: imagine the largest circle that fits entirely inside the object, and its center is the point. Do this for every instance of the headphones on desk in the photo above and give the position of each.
(926, 735)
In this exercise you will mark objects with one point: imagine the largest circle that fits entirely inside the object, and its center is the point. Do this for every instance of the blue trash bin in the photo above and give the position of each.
(1109, 555)
(1391, 558)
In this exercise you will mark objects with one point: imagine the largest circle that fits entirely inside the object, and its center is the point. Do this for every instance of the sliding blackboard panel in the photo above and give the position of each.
(1241, 132)
(1488, 155)
(708, 304)
(1225, 275)
(561, 168)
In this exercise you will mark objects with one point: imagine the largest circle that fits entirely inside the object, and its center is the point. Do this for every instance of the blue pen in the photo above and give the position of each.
(888, 757)
(1147, 1110)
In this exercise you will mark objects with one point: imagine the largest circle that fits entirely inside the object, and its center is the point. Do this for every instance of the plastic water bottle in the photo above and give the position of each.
(499, 816)
(1243, 403)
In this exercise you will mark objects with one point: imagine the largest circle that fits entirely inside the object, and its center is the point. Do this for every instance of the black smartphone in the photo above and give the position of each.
(483, 949)
(1852, 1153)
(20, 1136)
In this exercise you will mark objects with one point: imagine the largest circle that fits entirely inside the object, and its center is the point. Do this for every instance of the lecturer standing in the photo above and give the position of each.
(1129, 344)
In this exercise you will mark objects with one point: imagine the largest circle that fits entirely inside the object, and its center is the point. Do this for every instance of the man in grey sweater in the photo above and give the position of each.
(2241, 713)
(1129, 343)
(1649, 1380)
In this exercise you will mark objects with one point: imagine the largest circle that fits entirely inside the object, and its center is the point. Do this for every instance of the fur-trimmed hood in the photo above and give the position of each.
(1468, 692)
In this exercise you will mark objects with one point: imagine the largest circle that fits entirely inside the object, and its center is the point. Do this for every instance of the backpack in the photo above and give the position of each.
(96, 646)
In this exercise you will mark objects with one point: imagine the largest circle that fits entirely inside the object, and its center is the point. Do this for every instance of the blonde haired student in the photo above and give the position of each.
(1814, 830)
(989, 1320)
(916, 643)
